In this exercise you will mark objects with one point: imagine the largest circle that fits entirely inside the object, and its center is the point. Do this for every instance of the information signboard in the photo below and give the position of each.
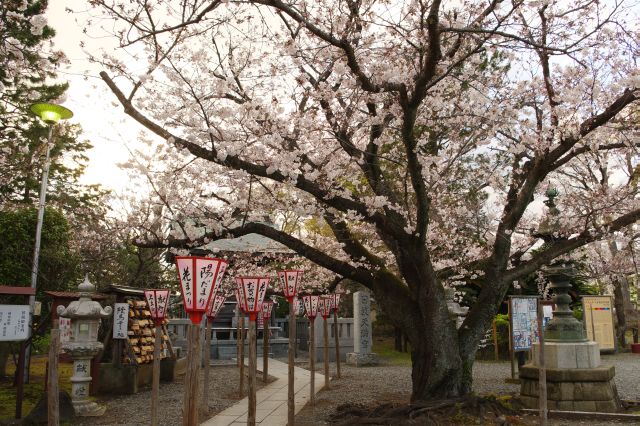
(14, 322)
(120, 320)
(523, 317)
(598, 321)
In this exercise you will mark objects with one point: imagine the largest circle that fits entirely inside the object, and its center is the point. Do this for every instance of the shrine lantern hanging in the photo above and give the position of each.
(324, 306)
(298, 307)
(251, 291)
(216, 303)
(335, 304)
(267, 308)
(311, 306)
(200, 278)
(158, 301)
(289, 281)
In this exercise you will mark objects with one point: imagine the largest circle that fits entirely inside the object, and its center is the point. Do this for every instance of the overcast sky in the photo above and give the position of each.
(92, 103)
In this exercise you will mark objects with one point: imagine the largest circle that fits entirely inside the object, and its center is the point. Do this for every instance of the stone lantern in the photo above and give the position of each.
(576, 380)
(85, 315)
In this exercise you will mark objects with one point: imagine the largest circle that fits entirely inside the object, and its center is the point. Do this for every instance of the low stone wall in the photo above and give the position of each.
(129, 379)
(577, 389)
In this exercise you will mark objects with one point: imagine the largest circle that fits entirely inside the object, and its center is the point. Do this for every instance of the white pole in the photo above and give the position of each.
(36, 251)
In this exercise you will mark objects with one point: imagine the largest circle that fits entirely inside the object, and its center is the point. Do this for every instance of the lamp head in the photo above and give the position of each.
(51, 113)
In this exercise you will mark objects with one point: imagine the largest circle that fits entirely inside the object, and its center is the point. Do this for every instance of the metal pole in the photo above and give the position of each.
(36, 251)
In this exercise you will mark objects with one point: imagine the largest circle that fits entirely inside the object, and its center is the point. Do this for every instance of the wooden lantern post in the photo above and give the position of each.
(216, 303)
(240, 340)
(289, 281)
(53, 407)
(200, 277)
(251, 291)
(157, 300)
(267, 308)
(311, 310)
(334, 308)
(324, 305)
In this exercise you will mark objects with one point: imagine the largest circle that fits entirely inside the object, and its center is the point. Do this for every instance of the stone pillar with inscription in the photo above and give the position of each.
(362, 336)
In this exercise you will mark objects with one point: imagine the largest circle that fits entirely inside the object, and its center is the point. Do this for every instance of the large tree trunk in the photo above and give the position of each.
(437, 371)
(622, 302)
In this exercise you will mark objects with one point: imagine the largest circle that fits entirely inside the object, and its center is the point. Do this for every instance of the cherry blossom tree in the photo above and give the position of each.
(422, 133)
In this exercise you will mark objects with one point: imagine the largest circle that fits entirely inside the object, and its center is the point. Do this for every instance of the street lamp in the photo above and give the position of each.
(289, 281)
(200, 278)
(311, 310)
(158, 302)
(334, 308)
(50, 114)
(252, 291)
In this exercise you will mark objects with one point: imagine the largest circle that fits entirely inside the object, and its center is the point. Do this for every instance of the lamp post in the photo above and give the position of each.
(252, 291)
(324, 305)
(157, 300)
(311, 309)
(50, 114)
(334, 307)
(289, 281)
(267, 308)
(199, 280)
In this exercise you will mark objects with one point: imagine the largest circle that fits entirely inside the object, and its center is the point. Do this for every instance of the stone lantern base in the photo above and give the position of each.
(575, 379)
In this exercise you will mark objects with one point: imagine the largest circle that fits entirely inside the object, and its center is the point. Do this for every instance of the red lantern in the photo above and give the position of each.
(157, 300)
(336, 300)
(311, 306)
(217, 302)
(199, 281)
(324, 306)
(289, 281)
(252, 291)
(298, 307)
(267, 307)
(238, 300)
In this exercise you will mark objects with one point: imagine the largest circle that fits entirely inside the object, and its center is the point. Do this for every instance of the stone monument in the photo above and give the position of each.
(85, 315)
(362, 332)
(576, 381)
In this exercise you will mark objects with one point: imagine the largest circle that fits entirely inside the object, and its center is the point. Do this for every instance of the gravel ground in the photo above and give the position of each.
(387, 383)
(134, 410)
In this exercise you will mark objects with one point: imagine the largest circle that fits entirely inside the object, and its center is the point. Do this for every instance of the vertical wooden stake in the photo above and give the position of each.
(312, 362)
(155, 385)
(241, 357)
(238, 334)
(325, 352)
(291, 403)
(265, 350)
(191, 400)
(337, 339)
(542, 371)
(253, 361)
(53, 408)
(511, 354)
(495, 340)
(207, 361)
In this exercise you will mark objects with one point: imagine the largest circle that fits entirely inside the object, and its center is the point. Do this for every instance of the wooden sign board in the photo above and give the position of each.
(120, 320)
(14, 323)
(523, 319)
(598, 321)
(64, 325)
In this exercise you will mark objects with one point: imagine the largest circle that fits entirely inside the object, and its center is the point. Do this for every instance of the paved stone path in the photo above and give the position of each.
(271, 408)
